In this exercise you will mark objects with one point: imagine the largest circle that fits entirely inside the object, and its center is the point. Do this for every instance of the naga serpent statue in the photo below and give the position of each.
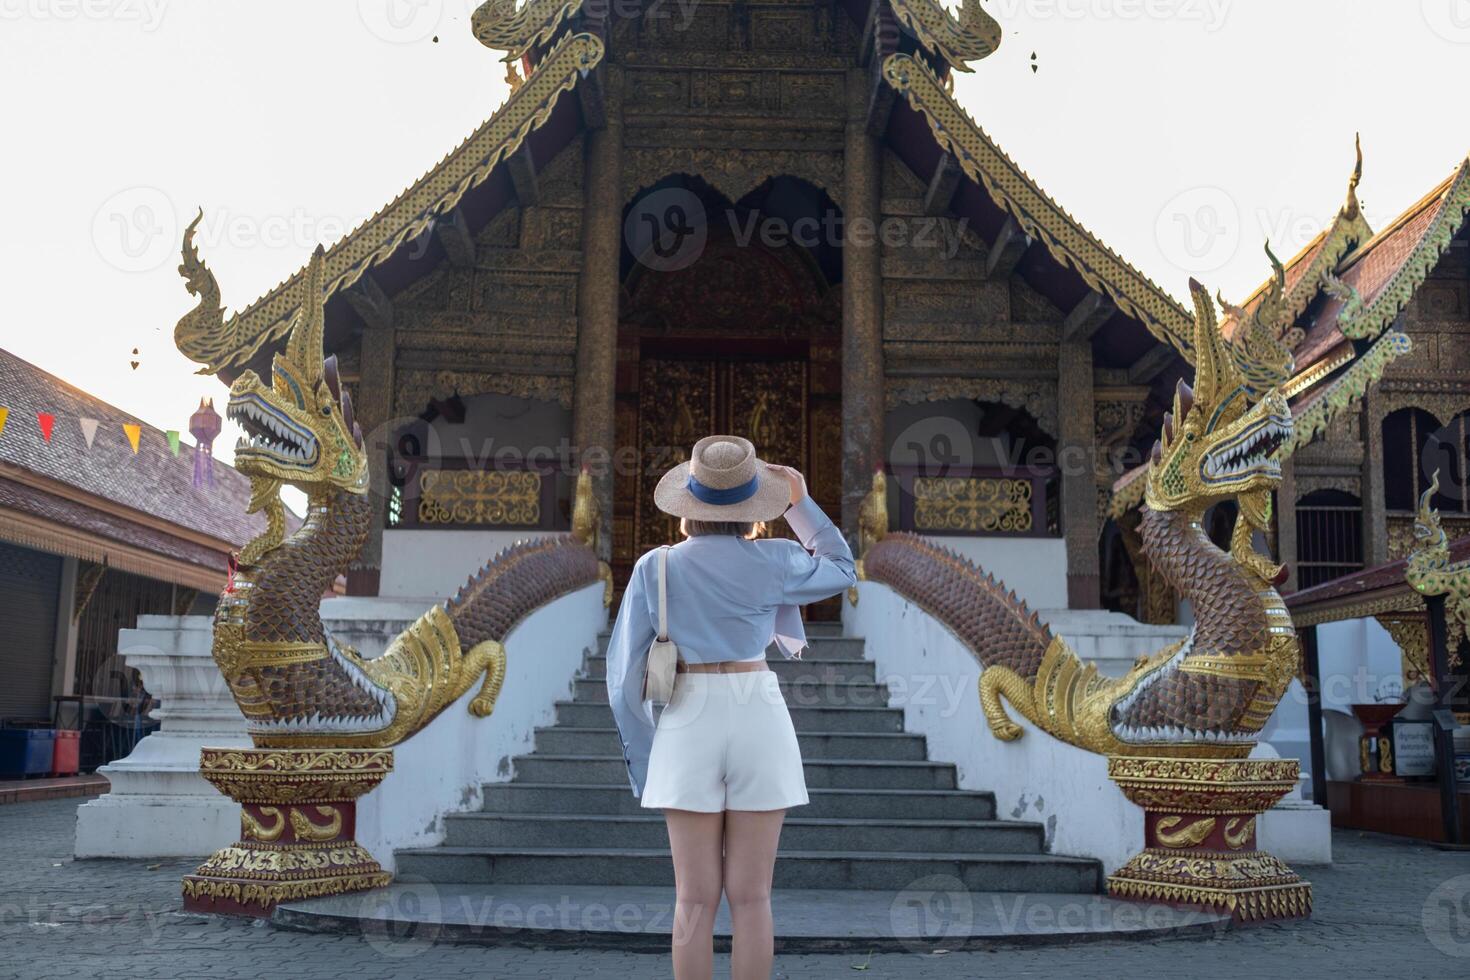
(1428, 568)
(1206, 696)
(295, 684)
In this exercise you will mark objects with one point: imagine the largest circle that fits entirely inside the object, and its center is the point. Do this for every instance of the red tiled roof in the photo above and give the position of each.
(19, 497)
(1373, 267)
(1386, 577)
(153, 481)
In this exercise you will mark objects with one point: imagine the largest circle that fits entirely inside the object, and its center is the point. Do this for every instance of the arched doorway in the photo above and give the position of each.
(729, 321)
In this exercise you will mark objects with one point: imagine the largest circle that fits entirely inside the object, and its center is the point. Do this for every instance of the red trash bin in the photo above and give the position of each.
(66, 756)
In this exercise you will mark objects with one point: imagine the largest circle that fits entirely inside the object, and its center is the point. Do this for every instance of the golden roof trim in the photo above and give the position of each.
(1453, 196)
(413, 211)
(975, 35)
(1037, 214)
(1349, 229)
(498, 25)
(1343, 393)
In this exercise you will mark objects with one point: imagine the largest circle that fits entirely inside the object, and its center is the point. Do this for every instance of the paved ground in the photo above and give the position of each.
(1387, 909)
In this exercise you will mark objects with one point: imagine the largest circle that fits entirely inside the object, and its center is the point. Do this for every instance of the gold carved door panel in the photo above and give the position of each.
(681, 401)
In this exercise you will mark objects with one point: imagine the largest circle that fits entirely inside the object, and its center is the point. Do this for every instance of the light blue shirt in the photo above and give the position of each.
(728, 599)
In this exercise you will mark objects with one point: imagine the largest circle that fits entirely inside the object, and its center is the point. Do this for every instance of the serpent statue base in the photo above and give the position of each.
(1200, 818)
(298, 811)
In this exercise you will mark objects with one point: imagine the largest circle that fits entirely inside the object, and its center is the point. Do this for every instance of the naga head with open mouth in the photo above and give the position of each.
(1216, 444)
(300, 429)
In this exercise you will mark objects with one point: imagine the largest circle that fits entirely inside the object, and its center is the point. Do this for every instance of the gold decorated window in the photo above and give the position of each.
(973, 505)
(480, 498)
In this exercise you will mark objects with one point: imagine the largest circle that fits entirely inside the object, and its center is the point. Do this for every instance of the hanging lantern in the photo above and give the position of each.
(204, 426)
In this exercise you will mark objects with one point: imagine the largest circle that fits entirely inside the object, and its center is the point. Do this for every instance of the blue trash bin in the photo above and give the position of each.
(26, 752)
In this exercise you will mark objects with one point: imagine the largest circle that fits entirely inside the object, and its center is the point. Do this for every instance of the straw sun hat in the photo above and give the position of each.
(723, 481)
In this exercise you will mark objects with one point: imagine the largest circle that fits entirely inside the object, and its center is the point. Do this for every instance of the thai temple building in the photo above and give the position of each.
(777, 220)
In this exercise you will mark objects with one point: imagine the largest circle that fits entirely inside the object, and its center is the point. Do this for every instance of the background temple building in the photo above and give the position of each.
(92, 536)
(587, 270)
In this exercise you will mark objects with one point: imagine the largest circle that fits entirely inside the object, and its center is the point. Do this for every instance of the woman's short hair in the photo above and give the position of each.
(740, 529)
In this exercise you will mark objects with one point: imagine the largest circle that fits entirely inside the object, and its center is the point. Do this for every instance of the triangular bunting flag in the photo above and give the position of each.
(89, 430)
(4, 414)
(134, 430)
(46, 420)
(173, 440)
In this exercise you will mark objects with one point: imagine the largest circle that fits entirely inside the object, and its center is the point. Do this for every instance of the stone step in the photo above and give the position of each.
(616, 798)
(799, 833)
(560, 740)
(820, 773)
(808, 692)
(826, 646)
(795, 869)
(403, 919)
(812, 667)
(580, 714)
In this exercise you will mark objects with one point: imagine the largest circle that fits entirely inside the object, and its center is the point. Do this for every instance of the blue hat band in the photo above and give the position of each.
(733, 495)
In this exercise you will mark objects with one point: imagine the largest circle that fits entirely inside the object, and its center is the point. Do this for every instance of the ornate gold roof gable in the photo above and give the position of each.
(975, 35)
(1360, 320)
(1037, 214)
(1349, 229)
(498, 25)
(413, 211)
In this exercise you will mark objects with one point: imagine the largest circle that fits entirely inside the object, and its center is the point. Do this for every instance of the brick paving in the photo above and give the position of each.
(1388, 908)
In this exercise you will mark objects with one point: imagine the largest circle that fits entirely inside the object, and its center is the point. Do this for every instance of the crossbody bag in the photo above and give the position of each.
(663, 655)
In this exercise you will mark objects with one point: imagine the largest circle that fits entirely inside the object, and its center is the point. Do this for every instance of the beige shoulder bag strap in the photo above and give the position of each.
(663, 655)
(663, 593)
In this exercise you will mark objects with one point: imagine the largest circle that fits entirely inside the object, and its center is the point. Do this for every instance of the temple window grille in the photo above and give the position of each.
(1329, 536)
(1415, 444)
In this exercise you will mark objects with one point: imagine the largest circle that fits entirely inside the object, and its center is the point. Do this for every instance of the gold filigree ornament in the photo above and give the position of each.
(304, 829)
(285, 788)
(1184, 801)
(252, 828)
(973, 36)
(206, 337)
(1037, 214)
(1176, 831)
(872, 524)
(505, 25)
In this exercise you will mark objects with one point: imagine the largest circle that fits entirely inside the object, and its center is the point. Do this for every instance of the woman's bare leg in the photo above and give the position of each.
(695, 840)
(751, 837)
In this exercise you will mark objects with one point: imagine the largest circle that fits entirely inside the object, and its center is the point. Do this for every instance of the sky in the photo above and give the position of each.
(1184, 133)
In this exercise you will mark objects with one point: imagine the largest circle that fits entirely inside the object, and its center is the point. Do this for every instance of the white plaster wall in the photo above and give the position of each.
(1361, 664)
(1036, 568)
(442, 768)
(436, 563)
(934, 678)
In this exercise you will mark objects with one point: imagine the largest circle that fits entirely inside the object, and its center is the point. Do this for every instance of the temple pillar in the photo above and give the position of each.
(593, 429)
(373, 407)
(1076, 457)
(1375, 523)
(1285, 521)
(862, 308)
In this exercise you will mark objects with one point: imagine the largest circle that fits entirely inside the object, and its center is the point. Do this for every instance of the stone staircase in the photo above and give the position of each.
(881, 815)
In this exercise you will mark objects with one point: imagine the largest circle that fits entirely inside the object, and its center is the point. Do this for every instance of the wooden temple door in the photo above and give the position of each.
(681, 400)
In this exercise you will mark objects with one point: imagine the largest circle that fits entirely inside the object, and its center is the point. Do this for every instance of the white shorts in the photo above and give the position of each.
(725, 742)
